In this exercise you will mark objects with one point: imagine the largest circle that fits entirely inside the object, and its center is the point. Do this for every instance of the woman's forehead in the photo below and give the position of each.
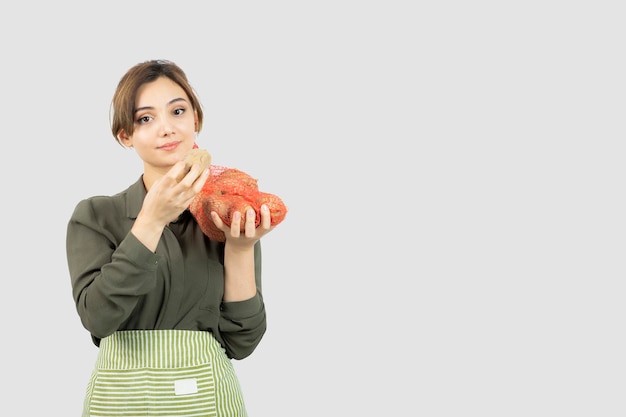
(159, 92)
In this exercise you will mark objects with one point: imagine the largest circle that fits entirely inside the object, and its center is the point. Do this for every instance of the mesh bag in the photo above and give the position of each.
(226, 191)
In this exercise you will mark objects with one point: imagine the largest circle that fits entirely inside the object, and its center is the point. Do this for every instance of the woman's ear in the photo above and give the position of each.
(124, 139)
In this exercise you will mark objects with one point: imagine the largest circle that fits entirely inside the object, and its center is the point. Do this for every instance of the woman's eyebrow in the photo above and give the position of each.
(172, 101)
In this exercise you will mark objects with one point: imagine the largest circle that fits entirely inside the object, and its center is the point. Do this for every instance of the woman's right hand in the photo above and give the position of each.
(166, 199)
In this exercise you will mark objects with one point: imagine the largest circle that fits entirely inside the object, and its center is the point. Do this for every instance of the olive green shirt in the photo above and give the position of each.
(119, 284)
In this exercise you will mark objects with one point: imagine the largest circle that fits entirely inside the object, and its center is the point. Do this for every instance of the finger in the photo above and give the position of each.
(250, 225)
(190, 190)
(189, 178)
(266, 218)
(235, 224)
(178, 171)
(200, 181)
(217, 220)
(186, 197)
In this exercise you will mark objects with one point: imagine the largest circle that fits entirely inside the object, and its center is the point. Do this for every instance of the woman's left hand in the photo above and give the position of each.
(251, 234)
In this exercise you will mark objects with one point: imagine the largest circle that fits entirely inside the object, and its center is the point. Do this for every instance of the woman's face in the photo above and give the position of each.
(165, 125)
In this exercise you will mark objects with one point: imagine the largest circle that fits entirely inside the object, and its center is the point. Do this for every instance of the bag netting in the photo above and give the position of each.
(226, 191)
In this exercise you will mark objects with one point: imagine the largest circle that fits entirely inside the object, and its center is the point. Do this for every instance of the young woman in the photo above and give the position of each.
(168, 307)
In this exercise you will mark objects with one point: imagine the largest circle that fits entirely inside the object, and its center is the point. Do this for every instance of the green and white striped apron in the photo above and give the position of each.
(163, 373)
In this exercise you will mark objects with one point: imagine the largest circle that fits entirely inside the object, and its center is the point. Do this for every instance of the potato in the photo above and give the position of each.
(196, 156)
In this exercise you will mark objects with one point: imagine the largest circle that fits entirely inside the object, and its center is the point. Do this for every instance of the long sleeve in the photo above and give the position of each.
(119, 284)
(108, 275)
(243, 323)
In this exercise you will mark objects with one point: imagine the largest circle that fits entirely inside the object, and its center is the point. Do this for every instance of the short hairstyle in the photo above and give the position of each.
(122, 112)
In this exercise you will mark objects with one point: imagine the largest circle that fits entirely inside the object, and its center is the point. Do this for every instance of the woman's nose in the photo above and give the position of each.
(166, 128)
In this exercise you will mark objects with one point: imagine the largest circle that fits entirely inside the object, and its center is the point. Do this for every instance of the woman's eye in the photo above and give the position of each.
(144, 119)
(179, 111)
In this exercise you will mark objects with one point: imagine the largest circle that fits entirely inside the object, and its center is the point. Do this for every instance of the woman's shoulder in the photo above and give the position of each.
(99, 206)
(102, 199)
(104, 205)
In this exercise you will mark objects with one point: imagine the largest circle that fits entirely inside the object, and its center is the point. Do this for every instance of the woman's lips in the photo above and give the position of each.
(169, 146)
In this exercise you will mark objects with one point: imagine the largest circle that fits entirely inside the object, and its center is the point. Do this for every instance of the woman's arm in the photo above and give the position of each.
(109, 268)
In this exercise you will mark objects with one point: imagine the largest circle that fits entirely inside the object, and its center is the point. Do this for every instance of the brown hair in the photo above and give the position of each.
(122, 115)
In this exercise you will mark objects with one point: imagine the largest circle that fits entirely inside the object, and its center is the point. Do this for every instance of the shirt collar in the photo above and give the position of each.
(135, 196)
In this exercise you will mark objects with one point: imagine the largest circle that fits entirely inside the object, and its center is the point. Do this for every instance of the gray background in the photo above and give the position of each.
(453, 170)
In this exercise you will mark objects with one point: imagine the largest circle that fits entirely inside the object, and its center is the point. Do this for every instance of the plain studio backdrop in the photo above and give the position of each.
(454, 175)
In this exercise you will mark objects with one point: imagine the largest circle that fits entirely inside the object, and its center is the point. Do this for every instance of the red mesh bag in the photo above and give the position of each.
(226, 191)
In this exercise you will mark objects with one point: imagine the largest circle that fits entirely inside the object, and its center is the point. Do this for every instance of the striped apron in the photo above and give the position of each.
(163, 373)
